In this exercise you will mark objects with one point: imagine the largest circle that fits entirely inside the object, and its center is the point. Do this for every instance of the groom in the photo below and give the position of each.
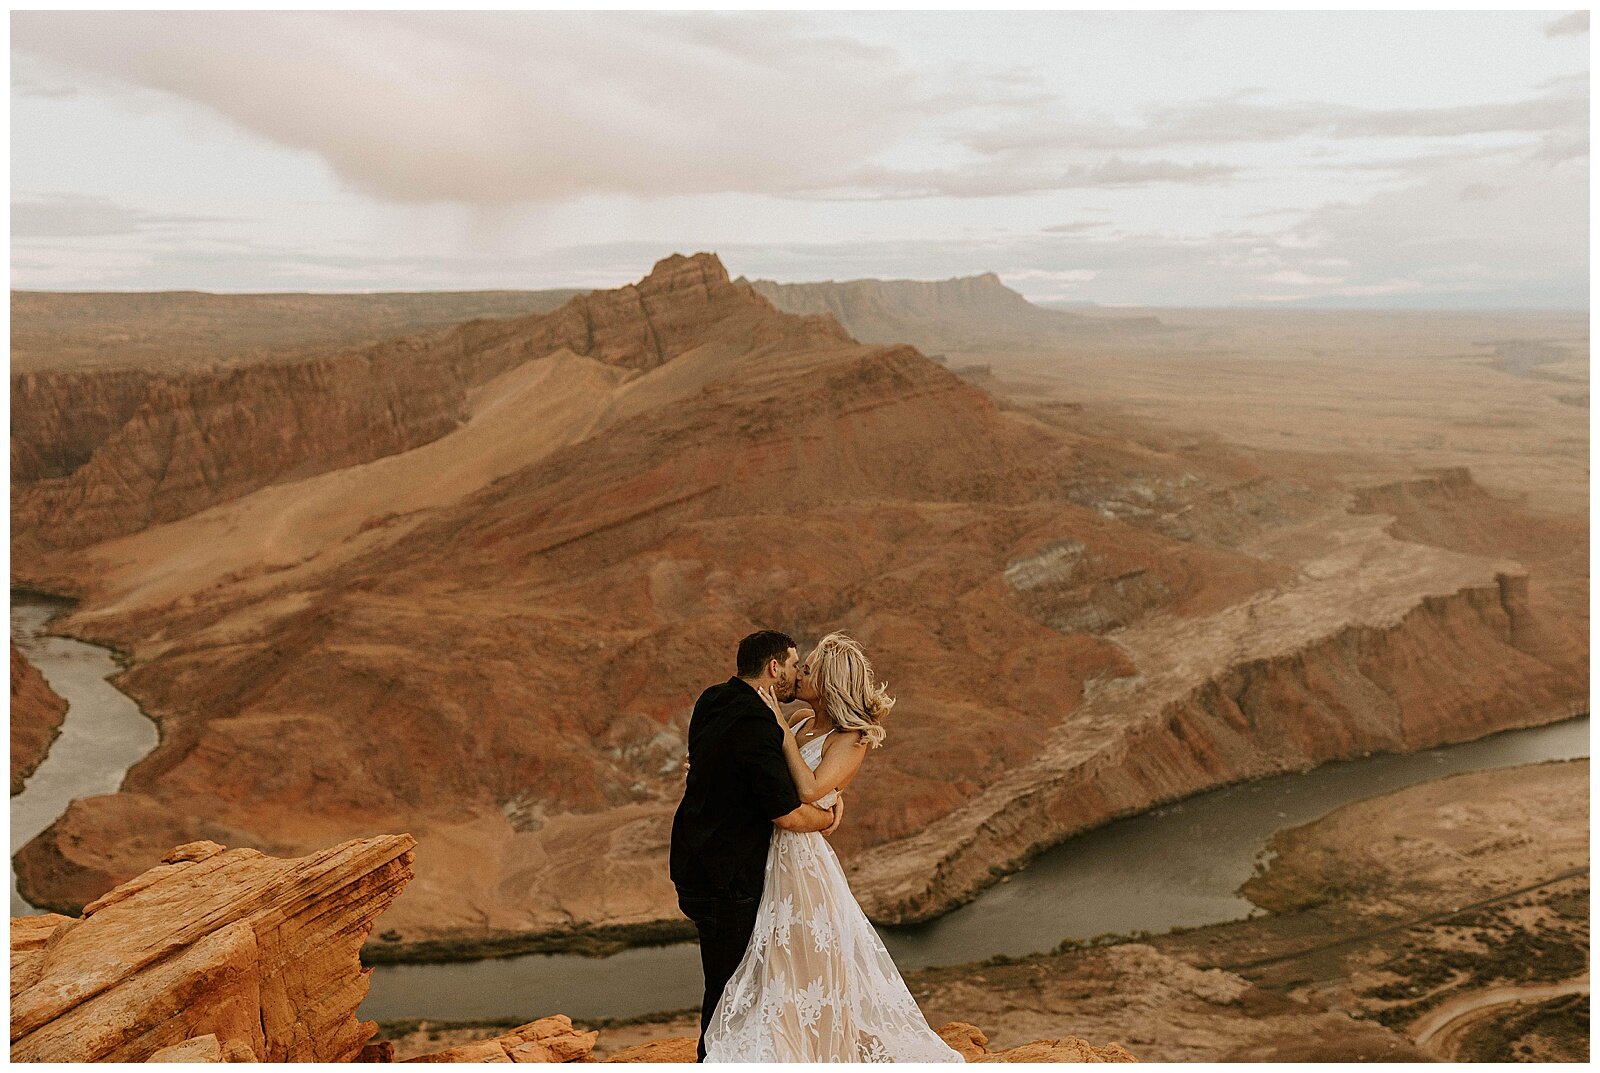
(739, 787)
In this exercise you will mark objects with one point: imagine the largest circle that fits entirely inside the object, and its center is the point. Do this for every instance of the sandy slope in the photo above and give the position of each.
(517, 418)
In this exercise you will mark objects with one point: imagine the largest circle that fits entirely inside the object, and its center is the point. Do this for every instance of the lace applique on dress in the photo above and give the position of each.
(830, 993)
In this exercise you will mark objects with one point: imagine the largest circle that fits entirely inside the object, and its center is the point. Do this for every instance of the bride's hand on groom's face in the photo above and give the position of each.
(772, 702)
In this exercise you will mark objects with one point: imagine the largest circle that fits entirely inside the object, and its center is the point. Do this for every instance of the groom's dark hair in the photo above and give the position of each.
(755, 650)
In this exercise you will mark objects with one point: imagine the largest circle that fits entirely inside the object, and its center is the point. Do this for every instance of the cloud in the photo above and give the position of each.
(1574, 22)
(82, 216)
(508, 113)
(887, 184)
(1069, 275)
(1419, 245)
(1244, 118)
(1482, 192)
(27, 87)
(1483, 231)
(91, 269)
(1295, 278)
(1560, 148)
(493, 108)
(30, 78)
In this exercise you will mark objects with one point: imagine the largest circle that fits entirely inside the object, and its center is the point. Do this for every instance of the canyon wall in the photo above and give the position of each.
(37, 713)
(98, 455)
(966, 313)
(1454, 668)
(1081, 617)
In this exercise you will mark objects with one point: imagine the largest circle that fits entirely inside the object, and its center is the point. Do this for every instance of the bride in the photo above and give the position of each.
(815, 983)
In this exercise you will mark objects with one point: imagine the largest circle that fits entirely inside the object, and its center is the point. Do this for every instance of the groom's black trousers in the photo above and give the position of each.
(725, 926)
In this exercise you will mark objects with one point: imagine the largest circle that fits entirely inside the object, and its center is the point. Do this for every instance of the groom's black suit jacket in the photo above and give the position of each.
(738, 784)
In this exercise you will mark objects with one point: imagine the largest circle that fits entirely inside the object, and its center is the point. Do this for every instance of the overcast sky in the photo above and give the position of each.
(1433, 159)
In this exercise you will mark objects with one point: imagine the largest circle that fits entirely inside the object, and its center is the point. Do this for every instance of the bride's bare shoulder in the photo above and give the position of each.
(799, 717)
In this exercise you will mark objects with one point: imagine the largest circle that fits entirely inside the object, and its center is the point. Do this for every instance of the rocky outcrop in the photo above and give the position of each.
(554, 1040)
(1448, 508)
(206, 1048)
(550, 1039)
(1157, 1007)
(674, 1049)
(966, 313)
(37, 713)
(219, 955)
(684, 303)
(1411, 847)
(214, 952)
(973, 1045)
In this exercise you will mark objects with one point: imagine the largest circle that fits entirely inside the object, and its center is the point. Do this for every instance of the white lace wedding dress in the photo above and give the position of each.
(816, 984)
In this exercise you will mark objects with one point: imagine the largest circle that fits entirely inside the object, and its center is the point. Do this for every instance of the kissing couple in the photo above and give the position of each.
(794, 970)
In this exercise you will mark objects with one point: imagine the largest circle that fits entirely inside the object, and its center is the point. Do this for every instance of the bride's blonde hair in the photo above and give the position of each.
(843, 677)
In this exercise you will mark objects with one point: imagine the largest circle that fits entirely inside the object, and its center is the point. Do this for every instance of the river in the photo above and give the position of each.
(1179, 865)
(103, 735)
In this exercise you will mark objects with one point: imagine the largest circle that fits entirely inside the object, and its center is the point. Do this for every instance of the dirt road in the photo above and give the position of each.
(1439, 1029)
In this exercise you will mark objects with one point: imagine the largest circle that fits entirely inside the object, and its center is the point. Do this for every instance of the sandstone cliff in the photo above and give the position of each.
(1343, 695)
(258, 954)
(1448, 508)
(36, 716)
(98, 455)
(963, 314)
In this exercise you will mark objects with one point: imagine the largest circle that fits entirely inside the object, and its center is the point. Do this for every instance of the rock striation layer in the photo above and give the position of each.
(99, 455)
(37, 713)
(259, 955)
(1349, 693)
